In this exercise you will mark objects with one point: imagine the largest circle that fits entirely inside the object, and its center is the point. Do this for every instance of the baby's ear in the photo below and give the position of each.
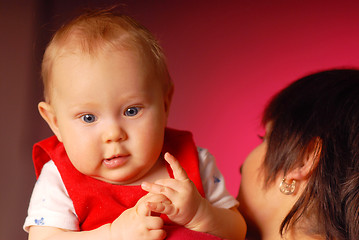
(168, 99)
(48, 114)
(309, 163)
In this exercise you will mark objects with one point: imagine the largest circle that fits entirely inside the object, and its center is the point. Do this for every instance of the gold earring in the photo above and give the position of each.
(287, 188)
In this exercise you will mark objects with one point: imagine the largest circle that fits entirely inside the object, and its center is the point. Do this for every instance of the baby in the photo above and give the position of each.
(107, 173)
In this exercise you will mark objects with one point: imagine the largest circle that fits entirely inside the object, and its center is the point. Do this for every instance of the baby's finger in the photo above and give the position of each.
(163, 207)
(158, 189)
(141, 208)
(158, 234)
(154, 223)
(178, 172)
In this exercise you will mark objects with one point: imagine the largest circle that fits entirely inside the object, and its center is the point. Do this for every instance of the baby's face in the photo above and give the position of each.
(110, 113)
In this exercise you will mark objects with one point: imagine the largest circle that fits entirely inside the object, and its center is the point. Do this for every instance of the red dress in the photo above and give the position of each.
(97, 203)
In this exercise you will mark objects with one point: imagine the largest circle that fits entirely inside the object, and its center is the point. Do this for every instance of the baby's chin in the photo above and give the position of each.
(115, 182)
(135, 180)
(124, 177)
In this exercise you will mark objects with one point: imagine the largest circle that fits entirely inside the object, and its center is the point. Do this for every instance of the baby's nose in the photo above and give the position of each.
(114, 133)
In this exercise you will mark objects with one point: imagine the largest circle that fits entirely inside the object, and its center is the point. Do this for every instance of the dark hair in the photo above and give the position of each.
(319, 112)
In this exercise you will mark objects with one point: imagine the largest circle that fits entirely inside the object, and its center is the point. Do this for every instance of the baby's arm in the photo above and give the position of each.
(53, 233)
(189, 209)
(134, 223)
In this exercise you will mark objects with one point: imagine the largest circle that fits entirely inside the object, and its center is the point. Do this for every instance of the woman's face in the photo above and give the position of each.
(251, 191)
(258, 201)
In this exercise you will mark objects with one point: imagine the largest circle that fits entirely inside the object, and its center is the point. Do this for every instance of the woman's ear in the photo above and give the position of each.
(309, 163)
(48, 114)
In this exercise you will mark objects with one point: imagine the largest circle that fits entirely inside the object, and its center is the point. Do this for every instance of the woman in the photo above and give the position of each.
(302, 181)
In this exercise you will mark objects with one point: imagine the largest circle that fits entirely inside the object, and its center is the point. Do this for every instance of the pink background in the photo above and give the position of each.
(226, 58)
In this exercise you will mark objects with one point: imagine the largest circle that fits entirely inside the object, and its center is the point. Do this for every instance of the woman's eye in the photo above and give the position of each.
(88, 118)
(132, 111)
(260, 137)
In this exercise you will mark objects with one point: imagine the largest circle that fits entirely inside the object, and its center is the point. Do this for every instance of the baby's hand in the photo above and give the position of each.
(185, 201)
(137, 222)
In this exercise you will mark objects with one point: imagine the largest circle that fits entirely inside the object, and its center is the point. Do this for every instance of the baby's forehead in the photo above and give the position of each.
(73, 48)
(74, 56)
(74, 59)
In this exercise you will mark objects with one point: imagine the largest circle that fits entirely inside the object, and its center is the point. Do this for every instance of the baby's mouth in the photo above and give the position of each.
(115, 161)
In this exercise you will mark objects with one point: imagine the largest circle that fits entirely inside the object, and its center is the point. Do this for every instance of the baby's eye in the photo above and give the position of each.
(88, 118)
(132, 111)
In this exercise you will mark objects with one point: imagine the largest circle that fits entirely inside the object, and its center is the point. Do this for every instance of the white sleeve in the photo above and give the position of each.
(50, 204)
(213, 181)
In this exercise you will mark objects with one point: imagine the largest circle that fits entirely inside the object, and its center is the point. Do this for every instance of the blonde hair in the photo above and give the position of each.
(96, 31)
